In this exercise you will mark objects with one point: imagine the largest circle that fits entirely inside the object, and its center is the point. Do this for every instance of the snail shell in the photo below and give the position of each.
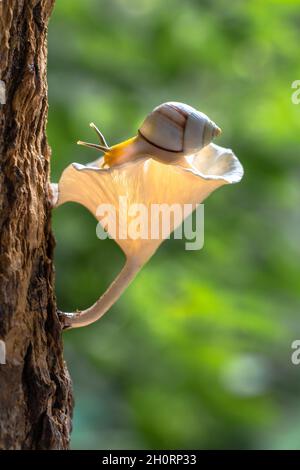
(179, 128)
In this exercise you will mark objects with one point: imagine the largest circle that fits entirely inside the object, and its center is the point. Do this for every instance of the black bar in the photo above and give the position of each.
(154, 458)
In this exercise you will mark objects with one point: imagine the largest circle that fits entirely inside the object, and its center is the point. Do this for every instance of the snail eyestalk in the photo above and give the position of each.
(102, 147)
(93, 146)
(100, 135)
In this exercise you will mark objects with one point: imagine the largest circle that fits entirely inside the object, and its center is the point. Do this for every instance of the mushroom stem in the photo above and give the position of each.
(114, 291)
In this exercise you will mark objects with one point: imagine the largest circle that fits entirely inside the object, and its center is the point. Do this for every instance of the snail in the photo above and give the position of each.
(172, 130)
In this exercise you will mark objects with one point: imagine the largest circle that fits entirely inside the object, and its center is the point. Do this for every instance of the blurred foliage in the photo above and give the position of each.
(196, 354)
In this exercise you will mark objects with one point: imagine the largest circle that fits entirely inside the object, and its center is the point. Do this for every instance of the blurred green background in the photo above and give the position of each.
(197, 352)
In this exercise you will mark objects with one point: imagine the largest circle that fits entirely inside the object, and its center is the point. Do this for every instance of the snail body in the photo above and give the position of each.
(170, 131)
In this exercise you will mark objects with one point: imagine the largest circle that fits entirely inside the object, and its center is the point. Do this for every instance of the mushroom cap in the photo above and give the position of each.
(147, 181)
(178, 127)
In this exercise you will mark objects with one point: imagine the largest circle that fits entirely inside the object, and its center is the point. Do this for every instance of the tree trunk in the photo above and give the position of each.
(35, 389)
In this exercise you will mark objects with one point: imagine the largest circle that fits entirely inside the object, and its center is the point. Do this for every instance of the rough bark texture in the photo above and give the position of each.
(35, 389)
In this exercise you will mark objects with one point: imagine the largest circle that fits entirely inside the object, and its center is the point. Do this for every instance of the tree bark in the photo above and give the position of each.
(35, 388)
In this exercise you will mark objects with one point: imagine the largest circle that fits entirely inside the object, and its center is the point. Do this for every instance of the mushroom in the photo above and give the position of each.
(146, 181)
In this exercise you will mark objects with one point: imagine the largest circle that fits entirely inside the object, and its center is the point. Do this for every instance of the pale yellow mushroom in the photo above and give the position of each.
(144, 180)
